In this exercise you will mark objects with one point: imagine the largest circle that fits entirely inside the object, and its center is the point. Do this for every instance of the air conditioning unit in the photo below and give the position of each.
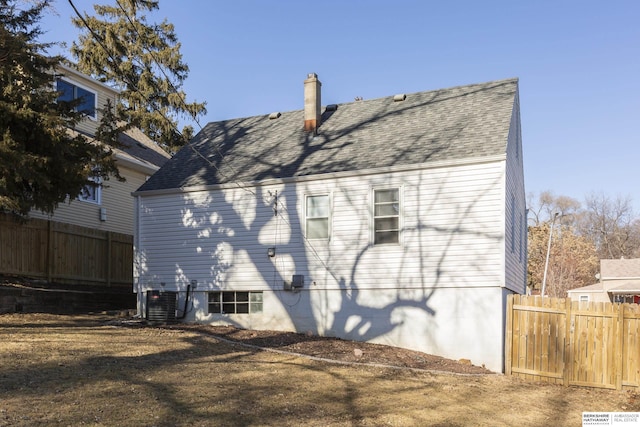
(161, 306)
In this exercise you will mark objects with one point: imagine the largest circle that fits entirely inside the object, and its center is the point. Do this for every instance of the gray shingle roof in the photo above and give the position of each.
(138, 146)
(135, 146)
(612, 268)
(448, 124)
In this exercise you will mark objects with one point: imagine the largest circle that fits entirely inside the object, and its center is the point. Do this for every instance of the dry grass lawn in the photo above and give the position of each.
(84, 370)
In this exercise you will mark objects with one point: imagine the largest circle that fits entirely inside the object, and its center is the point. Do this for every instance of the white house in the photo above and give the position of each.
(398, 220)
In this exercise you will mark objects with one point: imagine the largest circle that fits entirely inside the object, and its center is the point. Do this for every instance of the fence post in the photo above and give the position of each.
(567, 356)
(509, 336)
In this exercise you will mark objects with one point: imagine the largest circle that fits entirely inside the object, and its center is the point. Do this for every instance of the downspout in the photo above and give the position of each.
(136, 257)
(186, 302)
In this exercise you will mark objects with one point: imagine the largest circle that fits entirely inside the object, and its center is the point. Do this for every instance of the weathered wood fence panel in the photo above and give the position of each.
(573, 343)
(65, 253)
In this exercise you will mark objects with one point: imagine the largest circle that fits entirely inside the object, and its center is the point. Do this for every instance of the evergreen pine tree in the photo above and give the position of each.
(118, 46)
(42, 162)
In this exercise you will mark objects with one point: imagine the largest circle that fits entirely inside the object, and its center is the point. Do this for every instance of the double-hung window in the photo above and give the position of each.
(70, 92)
(386, 216)
(317, 217)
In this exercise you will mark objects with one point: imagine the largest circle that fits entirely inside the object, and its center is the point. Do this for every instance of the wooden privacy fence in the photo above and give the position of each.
(65, 253)
(573, 343)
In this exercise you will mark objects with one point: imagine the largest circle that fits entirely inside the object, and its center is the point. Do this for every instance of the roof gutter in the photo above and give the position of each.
(136, 164)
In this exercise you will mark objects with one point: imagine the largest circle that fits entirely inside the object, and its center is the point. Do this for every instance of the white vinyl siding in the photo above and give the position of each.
(451, 232)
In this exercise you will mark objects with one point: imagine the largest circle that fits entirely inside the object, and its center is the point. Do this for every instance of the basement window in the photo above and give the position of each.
(235, 302)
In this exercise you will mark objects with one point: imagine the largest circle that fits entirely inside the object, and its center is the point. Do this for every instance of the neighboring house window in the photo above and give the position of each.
(623, 299)
(386, 216)
(229, 302)
(92, 193)
(317, 217)
(71, 92)
(584, 297)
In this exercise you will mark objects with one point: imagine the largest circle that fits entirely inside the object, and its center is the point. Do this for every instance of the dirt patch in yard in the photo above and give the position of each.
(338, 350)
(103, 371)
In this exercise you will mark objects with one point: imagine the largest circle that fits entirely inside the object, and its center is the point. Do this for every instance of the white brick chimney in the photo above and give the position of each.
(312, 105)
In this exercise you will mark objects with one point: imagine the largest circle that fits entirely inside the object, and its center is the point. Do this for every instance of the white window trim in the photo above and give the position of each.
(329, 219)
(372, 213)
(88, 89)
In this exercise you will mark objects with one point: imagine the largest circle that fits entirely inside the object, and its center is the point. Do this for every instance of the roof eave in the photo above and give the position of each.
(635, 291)
(81, 75)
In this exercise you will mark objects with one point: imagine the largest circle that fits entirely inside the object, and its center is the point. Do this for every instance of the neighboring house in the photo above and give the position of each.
(398, 220)
(109, 206)
(84, 249)
(619, 282)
